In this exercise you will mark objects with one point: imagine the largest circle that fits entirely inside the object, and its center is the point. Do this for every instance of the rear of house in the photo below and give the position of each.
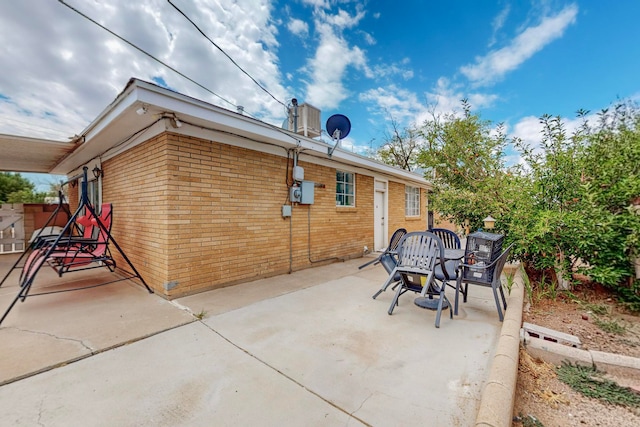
(204, 197)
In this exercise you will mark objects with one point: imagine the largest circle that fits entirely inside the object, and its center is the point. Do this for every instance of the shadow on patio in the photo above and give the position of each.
(308, 348)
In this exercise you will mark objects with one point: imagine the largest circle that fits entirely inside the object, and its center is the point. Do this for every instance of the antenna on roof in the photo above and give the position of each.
(338, 126)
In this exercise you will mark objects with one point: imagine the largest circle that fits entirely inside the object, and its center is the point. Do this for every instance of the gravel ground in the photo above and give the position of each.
(540, 396)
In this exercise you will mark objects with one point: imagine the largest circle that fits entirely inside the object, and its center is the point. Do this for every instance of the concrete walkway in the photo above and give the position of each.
(308, 348)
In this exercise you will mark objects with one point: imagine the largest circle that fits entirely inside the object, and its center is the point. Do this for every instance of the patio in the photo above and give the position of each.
(308, 348)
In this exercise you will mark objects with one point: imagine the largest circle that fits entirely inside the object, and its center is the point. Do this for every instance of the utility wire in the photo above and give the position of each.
(146, 53)
(173, 69)
(225, 53)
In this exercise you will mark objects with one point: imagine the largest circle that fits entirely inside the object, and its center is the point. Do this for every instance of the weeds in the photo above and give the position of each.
(599, 309)
(591, 383)
(611, 326)
(528, 421)
(200, 315)
(528, 288)
(510, 281)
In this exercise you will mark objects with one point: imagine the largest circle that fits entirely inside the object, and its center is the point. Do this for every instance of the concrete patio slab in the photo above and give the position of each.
(307, 348)
(47, 330)
(184, 377)
(336, 341)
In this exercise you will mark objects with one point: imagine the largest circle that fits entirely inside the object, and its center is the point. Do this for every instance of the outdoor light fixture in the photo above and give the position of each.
(489, 222)
(97, 172)
(175, 122)
(142, 110)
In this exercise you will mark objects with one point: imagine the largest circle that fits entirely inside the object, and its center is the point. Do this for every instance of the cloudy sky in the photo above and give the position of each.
(369, 60)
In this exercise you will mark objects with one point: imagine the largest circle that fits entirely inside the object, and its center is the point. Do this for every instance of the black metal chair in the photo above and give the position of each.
(487, 275)
(448, 237)
(388, 258)
(450, 241)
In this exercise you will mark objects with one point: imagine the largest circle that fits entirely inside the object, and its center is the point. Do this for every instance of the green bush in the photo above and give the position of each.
(569, 204)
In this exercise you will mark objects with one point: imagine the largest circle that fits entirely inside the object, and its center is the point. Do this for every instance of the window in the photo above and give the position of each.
(345, 189)
(411, 201)
(93, 192)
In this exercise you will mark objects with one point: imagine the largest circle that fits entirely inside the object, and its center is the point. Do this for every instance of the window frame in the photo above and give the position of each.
(412, 201)
(345, 195)
(94, 191)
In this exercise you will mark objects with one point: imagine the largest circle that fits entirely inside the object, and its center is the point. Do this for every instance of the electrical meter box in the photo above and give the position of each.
(303, 194)
(308, 188)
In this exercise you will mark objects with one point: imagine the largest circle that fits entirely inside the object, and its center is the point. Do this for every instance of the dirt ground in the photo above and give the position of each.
(592, 315)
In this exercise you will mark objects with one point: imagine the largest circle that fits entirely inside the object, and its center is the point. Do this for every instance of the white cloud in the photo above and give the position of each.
(328, 67)
(342, 19)
(497, 63)
(401, 104)
(498, 23)
(59, 77)
(298, 27)
(395, 69)
(446, 97)
(368, 38)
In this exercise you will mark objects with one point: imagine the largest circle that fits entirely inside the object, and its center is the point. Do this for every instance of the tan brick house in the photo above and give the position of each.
(202, 196)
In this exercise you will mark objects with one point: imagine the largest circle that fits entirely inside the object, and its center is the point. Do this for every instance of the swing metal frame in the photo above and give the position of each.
(49, 245)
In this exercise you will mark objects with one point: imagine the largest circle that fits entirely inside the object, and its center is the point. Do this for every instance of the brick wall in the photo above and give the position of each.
(37, 214)
(397, 218)
(136, 183)
(193, 214)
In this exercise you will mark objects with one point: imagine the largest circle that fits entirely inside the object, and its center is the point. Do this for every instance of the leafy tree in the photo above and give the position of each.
(610, 187)
(59, 186)
(573, 203)
(464, 160)
(26, 196)
(13, 183)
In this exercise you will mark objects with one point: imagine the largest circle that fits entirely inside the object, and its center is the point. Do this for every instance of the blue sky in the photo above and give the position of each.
(369, 60)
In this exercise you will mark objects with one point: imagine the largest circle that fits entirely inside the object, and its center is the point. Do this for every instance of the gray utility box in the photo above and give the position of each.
(303, 194)
(482, 249)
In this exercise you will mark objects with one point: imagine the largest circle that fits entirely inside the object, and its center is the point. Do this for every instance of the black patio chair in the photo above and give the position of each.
(448, 237)
(483, 275)
(418, 254)
(388, 258)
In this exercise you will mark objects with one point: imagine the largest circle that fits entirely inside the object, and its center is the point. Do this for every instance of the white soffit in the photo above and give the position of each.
(23, 154)
(135, 115)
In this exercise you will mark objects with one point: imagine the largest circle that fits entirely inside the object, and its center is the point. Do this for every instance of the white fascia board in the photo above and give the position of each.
(210, 122)
(253, 129)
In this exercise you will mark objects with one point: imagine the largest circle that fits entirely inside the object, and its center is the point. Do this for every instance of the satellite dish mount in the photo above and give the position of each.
(338, 127)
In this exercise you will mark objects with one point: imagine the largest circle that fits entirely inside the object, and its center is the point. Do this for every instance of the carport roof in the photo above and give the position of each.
(22, 154)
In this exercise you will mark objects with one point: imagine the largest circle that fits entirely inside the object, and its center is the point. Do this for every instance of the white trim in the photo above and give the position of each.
(120, 120)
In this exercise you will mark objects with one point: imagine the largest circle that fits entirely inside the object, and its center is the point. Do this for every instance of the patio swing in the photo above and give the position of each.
(84, 243)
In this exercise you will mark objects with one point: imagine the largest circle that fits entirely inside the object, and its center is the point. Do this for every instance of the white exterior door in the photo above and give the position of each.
(379, 216)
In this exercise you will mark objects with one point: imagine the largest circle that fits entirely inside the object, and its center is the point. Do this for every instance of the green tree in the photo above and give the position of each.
(464, 158)
(609, 189)
(26, 196)
(13, 183)
(573, 203)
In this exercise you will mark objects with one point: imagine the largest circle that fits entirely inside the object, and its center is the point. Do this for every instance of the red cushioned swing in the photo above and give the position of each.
(84, 243)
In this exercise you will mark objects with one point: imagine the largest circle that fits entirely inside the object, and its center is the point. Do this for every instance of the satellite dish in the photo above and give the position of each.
(338, 127)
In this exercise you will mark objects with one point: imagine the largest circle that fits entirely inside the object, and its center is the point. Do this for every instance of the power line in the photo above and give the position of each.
(225, 53)
(146, 53)
(173, 69)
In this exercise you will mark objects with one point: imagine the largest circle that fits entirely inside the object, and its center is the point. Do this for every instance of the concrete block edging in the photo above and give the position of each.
(498, 396)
